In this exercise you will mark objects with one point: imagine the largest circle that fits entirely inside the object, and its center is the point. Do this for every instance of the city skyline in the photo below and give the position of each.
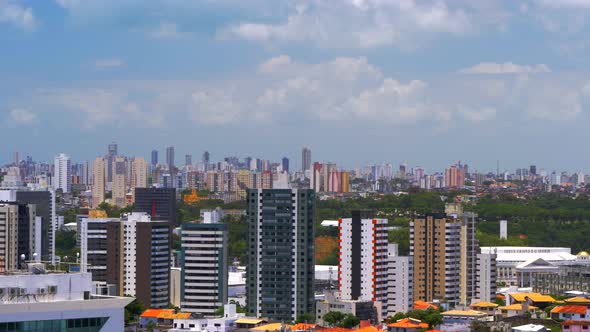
(416, 81)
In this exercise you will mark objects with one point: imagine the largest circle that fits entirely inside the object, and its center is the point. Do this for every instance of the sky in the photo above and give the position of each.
(425, 82)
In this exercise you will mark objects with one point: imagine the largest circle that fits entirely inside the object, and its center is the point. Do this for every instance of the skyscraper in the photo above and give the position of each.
(98, 181)
(305, 159)
(363, 257)
(160, 203)
(119, 182)
(285, 164)
(204, 275)
(205, 158)
(170, 157)
(132, 255)
(110, 157)
(188, 160)
(455, 177)
(280, 253)
(44, 202)
(154, 157)
(139, 172)
(63, 173)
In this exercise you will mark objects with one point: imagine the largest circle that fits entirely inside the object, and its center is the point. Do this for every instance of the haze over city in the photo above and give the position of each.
(427, 83)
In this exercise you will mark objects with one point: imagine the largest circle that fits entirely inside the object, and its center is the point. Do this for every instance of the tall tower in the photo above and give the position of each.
(188, 160)
(154, 157)
(98, 181)
(119, 182)
(170, 157)
(280, 238)
(139, 171)
(204, 263)
(285, 164)
(305, 159)
(63, 173)
(110, 157)
(363, 257)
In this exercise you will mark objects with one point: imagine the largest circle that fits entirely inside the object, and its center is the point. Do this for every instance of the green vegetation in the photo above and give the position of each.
(339, 319)
(305, 318)
(113, 211)
(65, 244)
(430, 316)
(133, 310)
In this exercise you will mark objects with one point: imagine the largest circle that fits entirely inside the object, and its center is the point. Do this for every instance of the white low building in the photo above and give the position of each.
(213, 324)
(57, 302)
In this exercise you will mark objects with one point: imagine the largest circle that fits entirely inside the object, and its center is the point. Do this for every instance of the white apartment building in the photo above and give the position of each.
(62, 173)
(400, 291)
(57, 302)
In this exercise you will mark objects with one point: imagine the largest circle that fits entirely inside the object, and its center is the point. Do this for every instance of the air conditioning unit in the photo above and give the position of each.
(52, 289)
(12, 291)
(42, 291)
(22, 292)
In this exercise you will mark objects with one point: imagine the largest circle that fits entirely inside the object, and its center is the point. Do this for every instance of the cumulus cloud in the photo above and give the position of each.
(22, 116)
(358, 24)
(15, 14)
(504, 68)
(109, 63)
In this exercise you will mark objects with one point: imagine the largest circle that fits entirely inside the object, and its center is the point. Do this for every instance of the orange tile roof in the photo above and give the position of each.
(570, 309)
(517, 307)
(332, 329)
(409, 323)
(154, 313)
(484, 304)
(367, 329)
(535, 297)
(578, 299)
(303, 327)
(421, 305)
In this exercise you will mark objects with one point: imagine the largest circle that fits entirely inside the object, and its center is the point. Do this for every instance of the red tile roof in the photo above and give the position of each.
(570, 309)
(421, 305)
(154, 313)
(409, 323)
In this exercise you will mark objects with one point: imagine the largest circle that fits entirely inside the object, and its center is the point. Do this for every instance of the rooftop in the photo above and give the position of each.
(484, 304)
(469, 313)
(535, 297)
(570, 309)
(516, 307)
(409, 323)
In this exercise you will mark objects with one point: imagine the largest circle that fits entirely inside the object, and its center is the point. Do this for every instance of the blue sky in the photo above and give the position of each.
(359, 81)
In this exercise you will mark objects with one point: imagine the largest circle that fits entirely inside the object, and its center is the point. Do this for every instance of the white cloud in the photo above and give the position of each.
(11, 12)
(22, 116)
(478, 115)
(504, 68)
(358, 24)
(109, 63)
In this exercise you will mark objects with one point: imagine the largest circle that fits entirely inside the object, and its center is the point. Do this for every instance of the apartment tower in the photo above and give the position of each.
(280, 253)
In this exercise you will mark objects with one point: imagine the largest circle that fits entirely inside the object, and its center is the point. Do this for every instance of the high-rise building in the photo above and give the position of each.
(98, 181)
(305, 159)
(119, 182)
(154, 157)
(139, 174)
(444, 251)
(486, 277)
(8, 237)
(44, 202)
(344, 182)
(160, 203)
(401, 293)
(280, 253)
(533, 170)
(170, 157)
(206, 157)
(363, 257)
(188, 160)
(204, 275)
(131, 256)
(285, 164)
(455, 177)
(63, 173)
(110, 157)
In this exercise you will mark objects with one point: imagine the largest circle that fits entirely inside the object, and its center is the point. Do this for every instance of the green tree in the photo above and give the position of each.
(333, 318)
(150, 326)
(305, 318)
(133, 310)
(349, 321)
(396, 317)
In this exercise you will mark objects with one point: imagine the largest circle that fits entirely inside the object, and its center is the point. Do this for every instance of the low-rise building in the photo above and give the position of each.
(57, 302)
(575, 326)
(517, 309)
(487, 307)
(223, 323)
(570, 312)
(529, 328)
(406, 325)
(364, 310)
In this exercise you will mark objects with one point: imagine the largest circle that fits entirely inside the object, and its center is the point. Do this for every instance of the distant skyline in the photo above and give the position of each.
(358, 81)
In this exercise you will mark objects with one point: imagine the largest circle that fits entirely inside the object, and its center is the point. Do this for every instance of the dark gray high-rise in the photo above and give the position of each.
(154, 157)
(44, 208)
(285, 164)
(160, 203)
(112, 153)
(305, 159)
(280, 253)
(170, 157)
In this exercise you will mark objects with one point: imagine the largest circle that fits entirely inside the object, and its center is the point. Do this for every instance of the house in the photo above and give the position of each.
(570, 312)
(422, 305)
(536, 299)
(249, 323)
(271, 327)
(406, 325)
(152, 315)
(517, 309)
(576, 326)
(223, 323)
(462, 316)
(487, 307)
(529, 328)
(578, 300)
(303, 327)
